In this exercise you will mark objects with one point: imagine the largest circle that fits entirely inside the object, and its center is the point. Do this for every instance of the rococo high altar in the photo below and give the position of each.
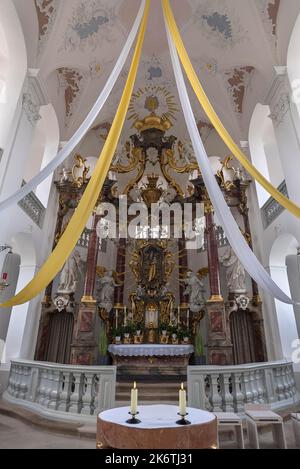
(153, 283)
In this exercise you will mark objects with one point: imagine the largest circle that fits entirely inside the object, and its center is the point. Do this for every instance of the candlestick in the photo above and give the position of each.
(182, 401)
(134, 399)
(133, 407)
(182, 407)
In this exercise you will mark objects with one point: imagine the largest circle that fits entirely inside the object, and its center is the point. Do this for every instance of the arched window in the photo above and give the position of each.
(264, 150)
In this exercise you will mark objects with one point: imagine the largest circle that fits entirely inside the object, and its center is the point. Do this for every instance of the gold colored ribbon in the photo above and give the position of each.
(79, 220)
(213, 117)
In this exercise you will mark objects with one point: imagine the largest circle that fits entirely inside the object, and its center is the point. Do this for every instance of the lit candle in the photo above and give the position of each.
(182, 401)
(134, 400)
(178, 320)
(188, 318)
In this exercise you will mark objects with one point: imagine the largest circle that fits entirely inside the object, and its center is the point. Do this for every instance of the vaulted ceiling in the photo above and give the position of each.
(233, 44)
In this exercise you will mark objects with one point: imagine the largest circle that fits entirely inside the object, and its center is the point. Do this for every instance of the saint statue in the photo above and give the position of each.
(69, 275)
(235, 272)
(106, 290)
(152, 267)
(195, 292)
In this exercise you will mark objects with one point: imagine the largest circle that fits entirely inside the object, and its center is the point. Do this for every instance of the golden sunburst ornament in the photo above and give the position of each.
(153, 98)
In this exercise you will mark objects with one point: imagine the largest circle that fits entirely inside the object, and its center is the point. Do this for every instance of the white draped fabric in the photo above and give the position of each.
(225, 217)
(85, 126)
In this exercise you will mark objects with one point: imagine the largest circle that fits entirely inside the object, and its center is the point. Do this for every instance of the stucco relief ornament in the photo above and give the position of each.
(61, 303)
(243, 302)
(92, 22)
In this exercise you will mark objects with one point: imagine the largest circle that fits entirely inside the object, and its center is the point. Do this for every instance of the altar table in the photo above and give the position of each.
(157, 430)
(150, 350)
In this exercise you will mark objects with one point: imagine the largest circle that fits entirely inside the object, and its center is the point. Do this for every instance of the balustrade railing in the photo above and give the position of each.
(229, 388)
(62, 391)
(272, 209)
(34, 208)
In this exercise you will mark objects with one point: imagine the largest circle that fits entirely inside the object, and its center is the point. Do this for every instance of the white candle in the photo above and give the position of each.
(178, 320)
(125, 316)
(134, 400)
(117, 319)
(182, 400)
(188, 318)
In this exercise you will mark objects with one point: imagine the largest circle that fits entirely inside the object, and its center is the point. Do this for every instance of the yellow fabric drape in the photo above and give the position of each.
(213, 117)
(68, 240)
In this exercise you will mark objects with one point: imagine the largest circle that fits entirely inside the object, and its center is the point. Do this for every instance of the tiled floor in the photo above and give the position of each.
(16, 434)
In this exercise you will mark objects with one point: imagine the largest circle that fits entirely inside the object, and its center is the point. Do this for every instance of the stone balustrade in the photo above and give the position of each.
(62, 392)
(229, 388)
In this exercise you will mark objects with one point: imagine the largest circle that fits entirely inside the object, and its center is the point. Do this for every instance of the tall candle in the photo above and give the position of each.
(188, 318)
(178, 320)
(125, 316)
(134, 400)
(117, 318)
(182, 400)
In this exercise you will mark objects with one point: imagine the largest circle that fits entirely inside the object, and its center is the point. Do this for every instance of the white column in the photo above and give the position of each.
(20, 340)
(279, 100)
(14, 162)
(285, 313)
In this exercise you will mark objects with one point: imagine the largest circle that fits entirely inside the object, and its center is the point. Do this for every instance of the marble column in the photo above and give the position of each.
(212, 254)
(84, 348)
(183, 267)
(92, 257)
(218, 337)
(120, 268)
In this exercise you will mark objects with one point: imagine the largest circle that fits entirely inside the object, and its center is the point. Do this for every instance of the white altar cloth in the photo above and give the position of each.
(150, 350)
(156, 416)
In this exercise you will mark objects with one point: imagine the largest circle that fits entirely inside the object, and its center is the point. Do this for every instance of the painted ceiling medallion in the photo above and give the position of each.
(46, 12)
(151, 99)
(238, 81)
(70, 81)
(219, 24)
(269, 10)
(91, 23)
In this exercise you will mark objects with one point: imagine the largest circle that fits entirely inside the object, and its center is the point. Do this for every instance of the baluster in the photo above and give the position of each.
(55, 389)
(75, 397)
(24, 382)
(65, 393)
(18, 382)
(42, 393)
(254, 386)
(216, 399)
(95, 394)
(11, 381)
(238, 396)
(260, 388)
(87, 397)
(279, 384)
(226, 394)
(246, 387)
(48, 387)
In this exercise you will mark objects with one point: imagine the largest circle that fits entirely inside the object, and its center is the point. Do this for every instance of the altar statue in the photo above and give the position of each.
(69, 275)
(152, 267)
(195, 292)
(106, 290)
(235, 272)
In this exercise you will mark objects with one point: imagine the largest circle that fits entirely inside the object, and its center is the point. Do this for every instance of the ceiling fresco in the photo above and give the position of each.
(233, 44)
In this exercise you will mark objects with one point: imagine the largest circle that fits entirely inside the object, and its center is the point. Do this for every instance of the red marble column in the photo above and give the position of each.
(212, 254)
(120, 268)
(183, 267)
(92, 257)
